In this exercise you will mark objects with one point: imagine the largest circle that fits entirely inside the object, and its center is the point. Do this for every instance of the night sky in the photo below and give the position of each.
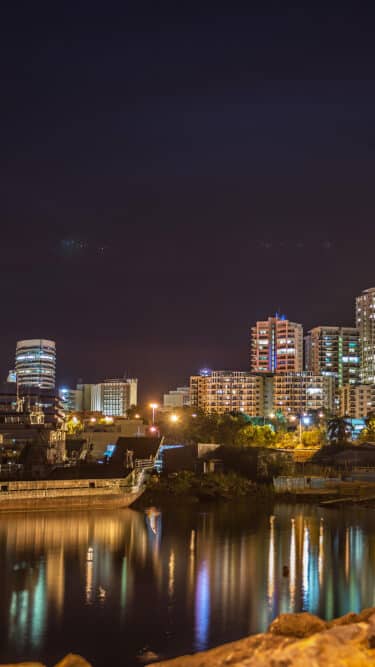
(171, 172)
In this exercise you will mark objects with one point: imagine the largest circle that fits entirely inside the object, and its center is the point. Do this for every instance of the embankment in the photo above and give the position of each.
(292, 640)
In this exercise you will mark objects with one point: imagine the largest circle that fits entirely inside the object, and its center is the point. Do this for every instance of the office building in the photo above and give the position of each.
(84, 396)
(298, 393)
(177, 398)
(133, 391)
(114, 397)
(333, 351)
(227, 391)
(357, 401)
(277, 346)
(365, 320)
(36, 363)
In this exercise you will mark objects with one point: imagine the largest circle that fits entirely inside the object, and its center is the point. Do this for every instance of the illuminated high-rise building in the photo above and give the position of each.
(333, 351)
(227, 391)
(357, 401)
(36, 363)
(297, 393)
(277, 346)
(365, 319)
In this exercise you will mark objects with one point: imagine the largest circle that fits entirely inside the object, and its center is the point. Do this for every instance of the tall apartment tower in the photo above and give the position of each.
(277, 346)
(36, 363)
(365, 318)
(334, 351)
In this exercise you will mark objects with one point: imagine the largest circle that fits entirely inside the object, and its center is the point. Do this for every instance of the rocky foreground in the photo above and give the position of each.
(292, 640)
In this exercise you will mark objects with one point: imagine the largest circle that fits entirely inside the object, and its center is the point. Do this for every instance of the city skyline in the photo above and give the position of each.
(276, 320)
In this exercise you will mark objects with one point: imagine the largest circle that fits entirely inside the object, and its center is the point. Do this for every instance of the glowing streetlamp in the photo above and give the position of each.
(154, 407)
(108, 419)
(174, 419)
(303, 420)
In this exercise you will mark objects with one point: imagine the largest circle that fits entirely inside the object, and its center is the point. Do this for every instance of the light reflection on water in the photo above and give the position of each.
(108, 584)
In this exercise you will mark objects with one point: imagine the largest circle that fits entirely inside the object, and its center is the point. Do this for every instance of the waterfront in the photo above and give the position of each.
(108, 584)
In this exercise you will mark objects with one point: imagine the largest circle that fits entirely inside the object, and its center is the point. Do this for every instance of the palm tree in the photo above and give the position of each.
(339, 430)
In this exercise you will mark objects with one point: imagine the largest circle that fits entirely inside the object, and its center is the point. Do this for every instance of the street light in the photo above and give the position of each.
(154, 407)
(174, 418)
(303, 419)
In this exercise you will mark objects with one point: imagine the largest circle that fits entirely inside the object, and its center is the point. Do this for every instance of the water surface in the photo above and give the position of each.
(109, 584)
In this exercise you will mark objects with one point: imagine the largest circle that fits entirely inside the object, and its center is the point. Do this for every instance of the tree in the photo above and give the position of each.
(368, 433)
(314, 437)
(339, 430)
(255, 436)
(74, 426)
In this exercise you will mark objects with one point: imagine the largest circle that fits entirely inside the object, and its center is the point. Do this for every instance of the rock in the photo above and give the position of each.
(148, 656)
(230, 655)
(365, 614)
(72, 660)
(371, 631)
(349, 618)
(297, 625)
(341, 646)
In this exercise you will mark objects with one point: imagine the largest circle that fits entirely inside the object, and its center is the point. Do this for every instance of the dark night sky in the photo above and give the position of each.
(171, 173)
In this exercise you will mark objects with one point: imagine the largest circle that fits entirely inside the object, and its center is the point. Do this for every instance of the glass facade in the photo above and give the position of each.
(36, 363)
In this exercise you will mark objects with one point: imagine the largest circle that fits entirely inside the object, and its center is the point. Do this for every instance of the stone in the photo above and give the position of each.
(371, 631)
(297, 625)
(365, 614)
(340, 646)
(72, 660)
(349, 618)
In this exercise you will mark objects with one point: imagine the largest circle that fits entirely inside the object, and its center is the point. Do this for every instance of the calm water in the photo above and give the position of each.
(108, 584)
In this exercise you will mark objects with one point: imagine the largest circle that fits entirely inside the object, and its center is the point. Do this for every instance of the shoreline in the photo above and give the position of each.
(292, 640)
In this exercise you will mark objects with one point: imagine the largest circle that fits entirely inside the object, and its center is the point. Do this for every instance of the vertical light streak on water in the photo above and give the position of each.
(356, 565)
(89, 574)
(18, 617)
(202, 608)
(191, 569)
(292, 567)
(38, 620)
(321, 554)
(171, 571)
(271, 564)
(123, 585)
(305, 568)
(347, 553)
